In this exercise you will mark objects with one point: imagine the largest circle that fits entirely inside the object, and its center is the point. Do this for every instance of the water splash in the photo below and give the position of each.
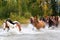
(29, 29)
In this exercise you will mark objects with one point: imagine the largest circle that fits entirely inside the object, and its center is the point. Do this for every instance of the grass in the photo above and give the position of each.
(21, 20)
(1, 22)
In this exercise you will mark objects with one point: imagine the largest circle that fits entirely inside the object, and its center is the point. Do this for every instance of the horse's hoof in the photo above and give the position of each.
(7, 30)
(4, 29)
(19, 29)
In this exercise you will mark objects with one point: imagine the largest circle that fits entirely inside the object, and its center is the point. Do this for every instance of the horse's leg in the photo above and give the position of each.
(8, 29)
(50, 25)
(43, 26)
(56, 24)
(19, 27)
(38, 29)
(33, 28)
(4, 28)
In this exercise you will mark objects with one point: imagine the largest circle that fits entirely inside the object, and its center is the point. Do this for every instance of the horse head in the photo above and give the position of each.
(5, 25)
(32, 20)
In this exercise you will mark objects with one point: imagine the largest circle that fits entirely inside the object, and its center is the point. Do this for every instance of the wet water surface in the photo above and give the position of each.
(28, 33)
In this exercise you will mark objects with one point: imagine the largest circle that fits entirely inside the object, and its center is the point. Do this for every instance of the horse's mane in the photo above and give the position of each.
(10, 21)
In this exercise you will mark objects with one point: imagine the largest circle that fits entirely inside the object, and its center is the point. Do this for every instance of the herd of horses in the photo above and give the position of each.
(41, 23)
(35, 21)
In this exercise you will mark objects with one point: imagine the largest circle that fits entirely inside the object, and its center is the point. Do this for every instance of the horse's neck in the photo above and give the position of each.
(11, 22)
(6, 24)
(36, 22)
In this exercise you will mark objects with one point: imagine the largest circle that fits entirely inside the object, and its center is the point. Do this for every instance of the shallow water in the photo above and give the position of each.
(28, 33)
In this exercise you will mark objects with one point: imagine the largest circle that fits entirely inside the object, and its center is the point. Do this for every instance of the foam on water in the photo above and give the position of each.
(30, 33)
(30, 29)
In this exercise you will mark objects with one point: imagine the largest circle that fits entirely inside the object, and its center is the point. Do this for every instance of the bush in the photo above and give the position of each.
(27, 15)
(18, 18)
(1, 21)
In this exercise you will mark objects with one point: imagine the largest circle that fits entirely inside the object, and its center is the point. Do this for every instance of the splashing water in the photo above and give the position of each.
(29, 29)
(29, 32)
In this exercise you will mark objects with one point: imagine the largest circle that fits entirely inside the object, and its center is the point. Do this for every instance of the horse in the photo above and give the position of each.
(38, 24)
(10, 24)
(53, 21)
(31, 20)
(58, 20)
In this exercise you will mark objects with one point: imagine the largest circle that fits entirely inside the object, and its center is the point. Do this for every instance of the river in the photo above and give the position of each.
(28, 33)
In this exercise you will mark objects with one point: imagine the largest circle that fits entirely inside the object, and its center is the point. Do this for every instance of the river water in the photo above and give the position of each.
(28, 33)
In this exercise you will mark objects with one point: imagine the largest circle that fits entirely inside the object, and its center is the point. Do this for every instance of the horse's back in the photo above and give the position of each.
(42, 23)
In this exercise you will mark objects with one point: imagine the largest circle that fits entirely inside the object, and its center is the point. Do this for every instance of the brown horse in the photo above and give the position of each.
(38, 24)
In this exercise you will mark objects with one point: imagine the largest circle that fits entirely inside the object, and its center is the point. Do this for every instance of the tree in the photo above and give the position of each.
(54, 8)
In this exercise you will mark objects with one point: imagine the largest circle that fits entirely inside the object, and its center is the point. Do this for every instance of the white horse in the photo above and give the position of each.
(9, 25)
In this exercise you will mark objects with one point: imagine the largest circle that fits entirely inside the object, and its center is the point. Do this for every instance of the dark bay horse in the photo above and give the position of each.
(53, 21)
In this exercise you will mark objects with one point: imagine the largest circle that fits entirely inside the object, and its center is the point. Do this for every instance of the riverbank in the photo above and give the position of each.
(22, 21)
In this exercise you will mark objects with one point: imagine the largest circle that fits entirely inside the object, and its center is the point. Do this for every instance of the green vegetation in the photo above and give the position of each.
(22, 10)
